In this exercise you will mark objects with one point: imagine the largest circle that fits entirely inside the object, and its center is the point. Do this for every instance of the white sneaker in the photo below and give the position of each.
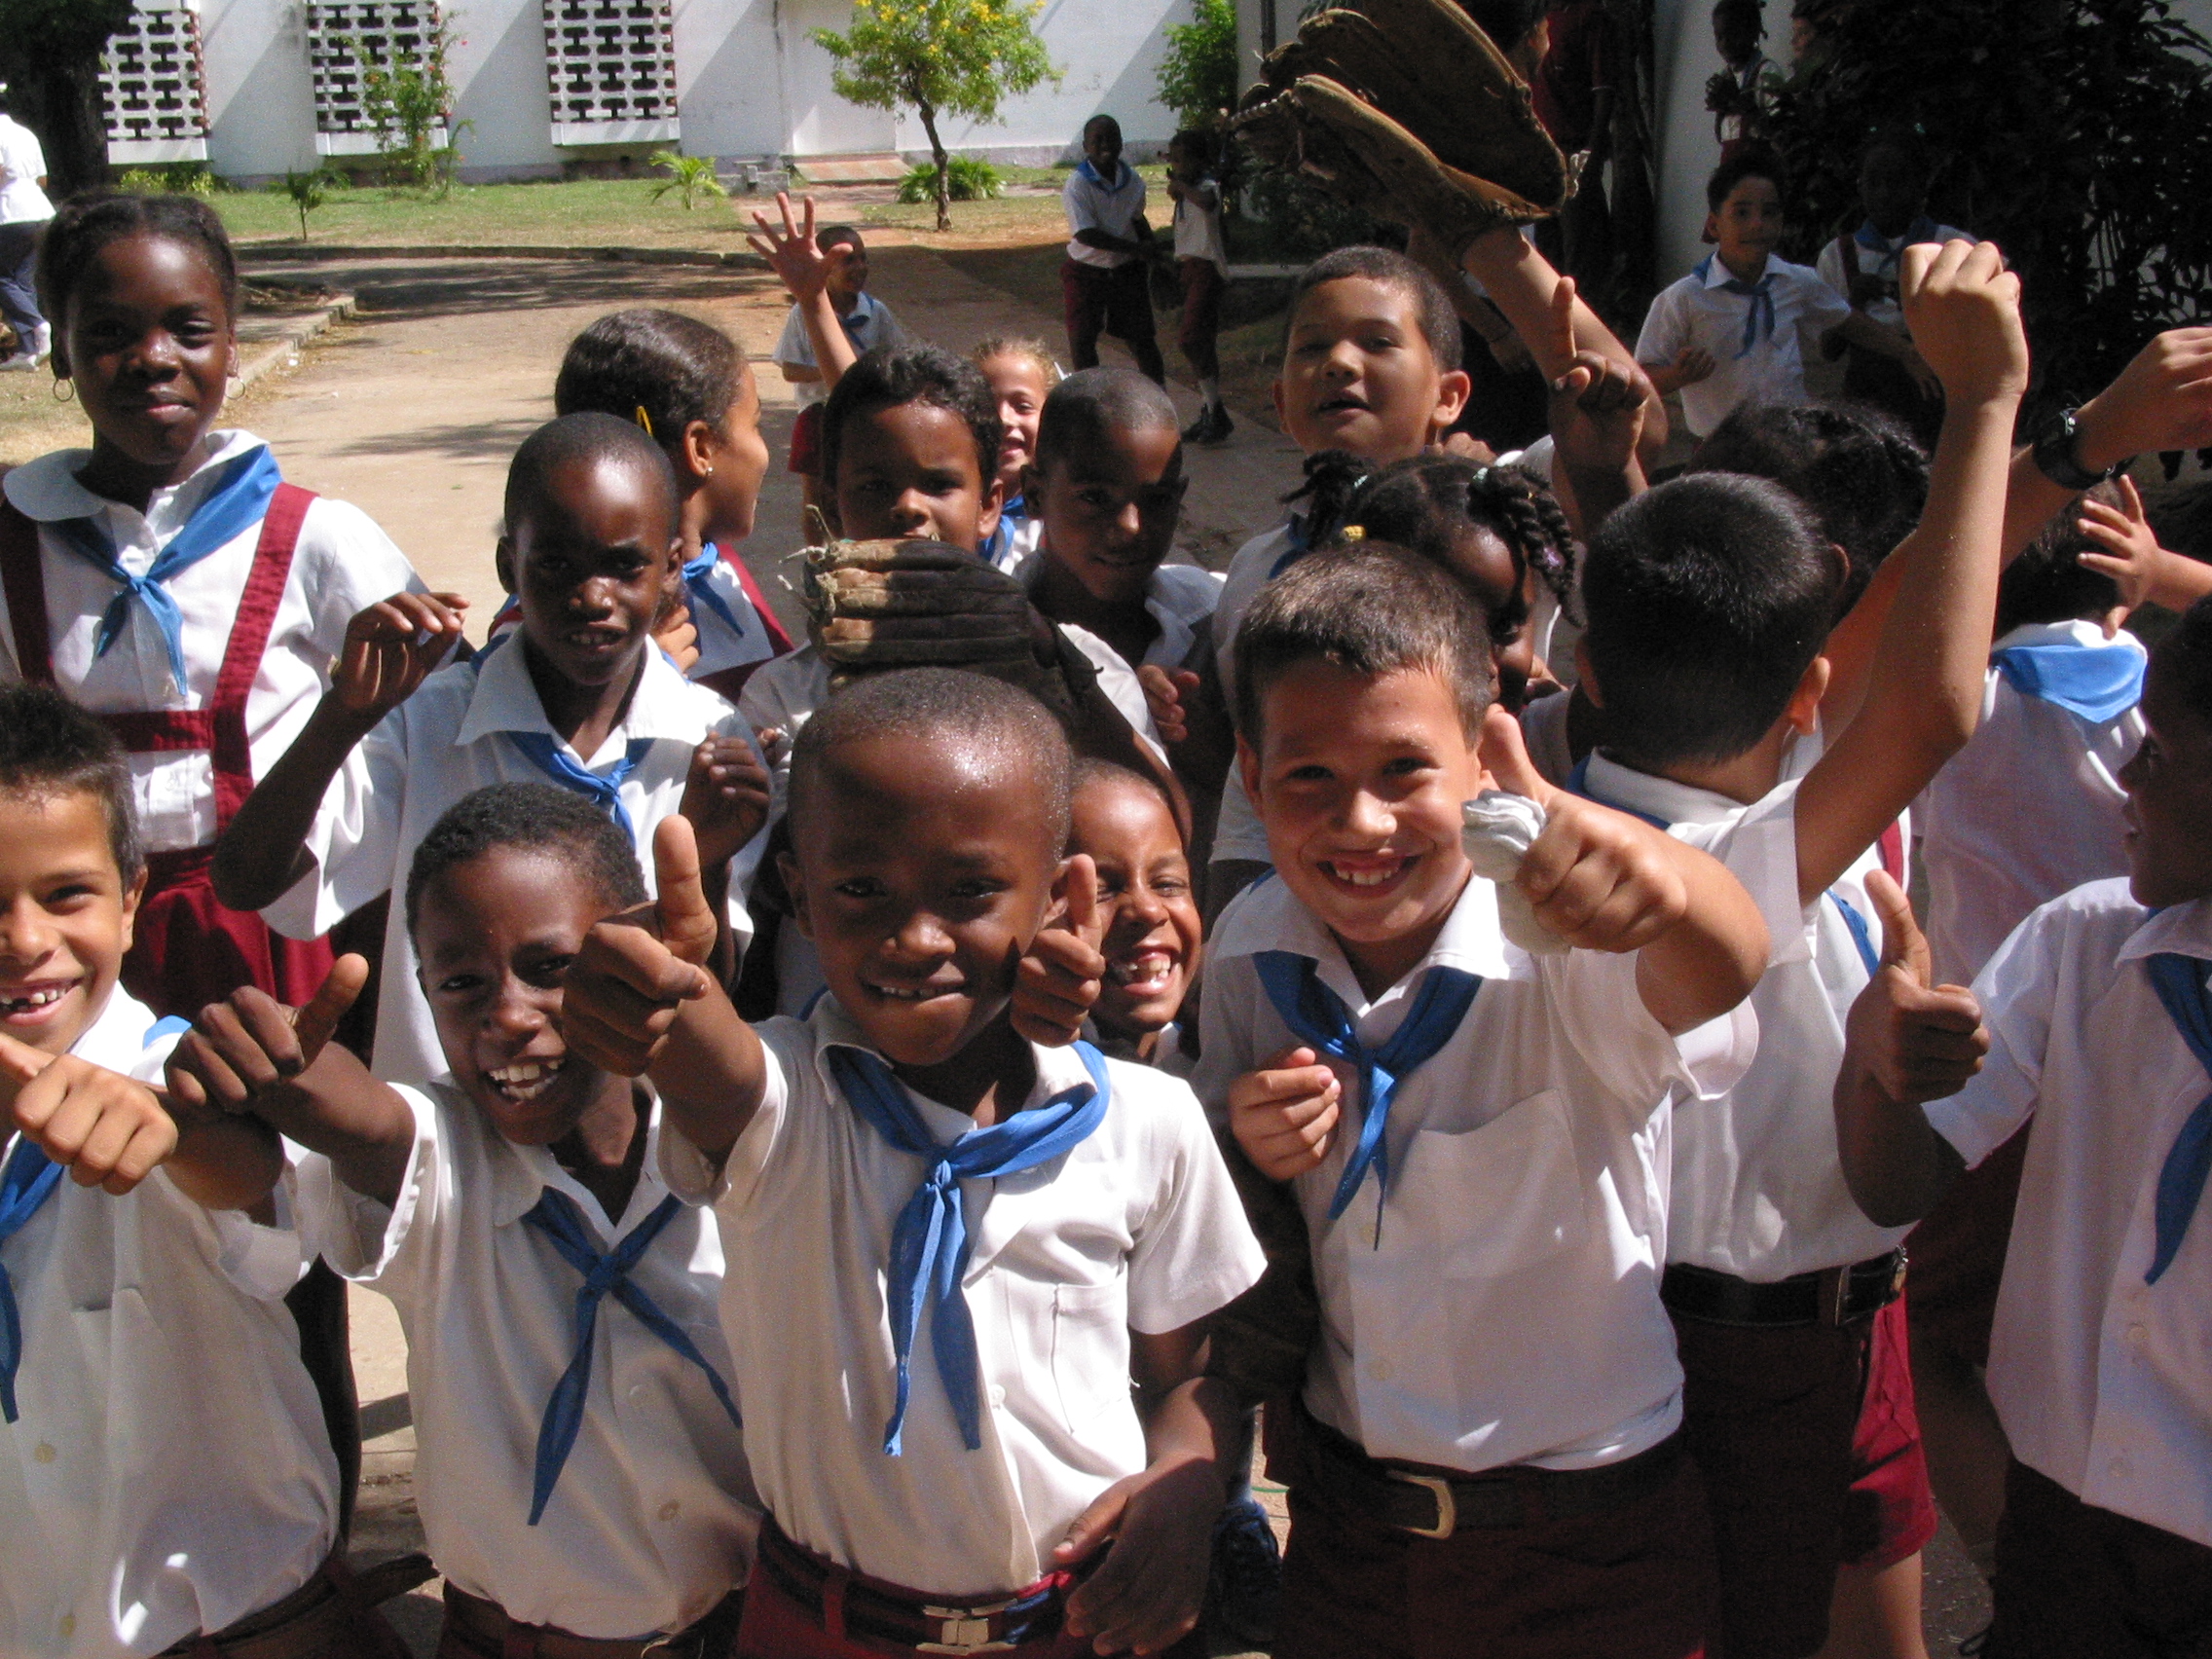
(21, 362)
(41, 341)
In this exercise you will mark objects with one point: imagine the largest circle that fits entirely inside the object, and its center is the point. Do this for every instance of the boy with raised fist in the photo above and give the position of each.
(2097, 1022)
(165, 1475)
(970, 1275)
(579, 1468)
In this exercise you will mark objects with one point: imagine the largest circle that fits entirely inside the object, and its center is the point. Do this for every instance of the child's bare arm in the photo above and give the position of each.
(2162, 400)
(804, 268)
(1146, 1592)
(1602, 880)
(1862, 331)
(638, 1001)
(251, 1055)
(2145, 572)
(1688, 366)
(391, 648)
(1596, 416)
(1924, 686)
(1904, 1043)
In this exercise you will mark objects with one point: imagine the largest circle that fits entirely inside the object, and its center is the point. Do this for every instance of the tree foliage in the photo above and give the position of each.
(1197, 72)
(689, 176)
(408, 96)
(2075, 133)
(938, 57)
(50, 55)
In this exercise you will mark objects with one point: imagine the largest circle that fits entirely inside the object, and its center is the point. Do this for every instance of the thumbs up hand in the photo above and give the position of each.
(1062, 973)
(636, 971)
(245, 1046)
(1916, 1042)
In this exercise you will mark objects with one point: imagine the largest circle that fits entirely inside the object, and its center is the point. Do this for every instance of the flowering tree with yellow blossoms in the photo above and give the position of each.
(937, 57)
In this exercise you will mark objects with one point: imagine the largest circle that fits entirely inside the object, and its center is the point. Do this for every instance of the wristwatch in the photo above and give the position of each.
(2057, 455)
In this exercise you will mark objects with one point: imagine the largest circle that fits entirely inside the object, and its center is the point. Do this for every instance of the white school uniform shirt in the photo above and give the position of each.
(1881, 258)
(1238, 835)
(1179, 598)
(2030, 808)
(1136, 1226)
(2100, 1379)
(1092, 206)
(1758, 1189)
(343, 565)
(652, 1521)
(1508, 1309)
(1198, 229)
(1698, 310)
(870, 325)
(23, 163)
(446, 740)
(168, 1472)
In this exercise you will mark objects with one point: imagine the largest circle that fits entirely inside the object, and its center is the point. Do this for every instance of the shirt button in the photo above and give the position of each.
(2120, 1468)
(1380, 1370)
(2137, 1337)
(670, 1510)
(998, 1395)
(44, 1452)
(68, 1625)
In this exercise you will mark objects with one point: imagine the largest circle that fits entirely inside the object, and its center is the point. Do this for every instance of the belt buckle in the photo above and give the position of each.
(1447, 1506)
(964, 1629)
(682, 1644)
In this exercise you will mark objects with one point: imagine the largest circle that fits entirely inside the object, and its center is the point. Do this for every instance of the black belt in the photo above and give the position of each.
(1832, 1296)
(1436, 1504)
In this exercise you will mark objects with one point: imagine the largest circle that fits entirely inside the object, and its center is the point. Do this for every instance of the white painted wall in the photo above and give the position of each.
(260, 99)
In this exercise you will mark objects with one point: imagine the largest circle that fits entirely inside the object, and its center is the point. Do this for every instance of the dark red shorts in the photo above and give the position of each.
(1203, 288)
(1811, 1454)
(806, 441)
(187, 950)
(1958, 1256)
(1633, 1583)
(2073, 1581)
(1100, 299)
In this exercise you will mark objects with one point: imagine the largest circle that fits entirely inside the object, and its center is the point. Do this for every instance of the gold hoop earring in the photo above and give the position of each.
(64, 389)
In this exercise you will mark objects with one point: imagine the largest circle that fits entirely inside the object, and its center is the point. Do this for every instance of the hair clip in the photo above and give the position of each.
(1353, 533)
(644, 420)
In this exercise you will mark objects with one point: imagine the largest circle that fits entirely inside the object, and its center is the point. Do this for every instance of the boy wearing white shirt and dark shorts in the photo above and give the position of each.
(968, 1276)
(1471, 1114)
(1102, 280)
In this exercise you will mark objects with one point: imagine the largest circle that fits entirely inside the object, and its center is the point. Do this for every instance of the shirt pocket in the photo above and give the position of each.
(1090, 1350)
(1489, 1202)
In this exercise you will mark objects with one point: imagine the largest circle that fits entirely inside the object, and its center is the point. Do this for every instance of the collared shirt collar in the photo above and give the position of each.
(1057, 1069)
(521, 1173)
(1613, 785)
(47, 490)
(2182, 929)
(1715, 272)
(2070, 633)
(1271, 918)
(506, 700)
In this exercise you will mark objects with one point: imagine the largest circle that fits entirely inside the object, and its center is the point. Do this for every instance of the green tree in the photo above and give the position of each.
(49, 56)
(1197, 72)
(938, 57)
(2077, 135)
(305, 192)
(689, 176)
(407, 96)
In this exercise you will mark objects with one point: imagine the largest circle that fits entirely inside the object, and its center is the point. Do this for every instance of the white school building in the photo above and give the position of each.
(259, 87)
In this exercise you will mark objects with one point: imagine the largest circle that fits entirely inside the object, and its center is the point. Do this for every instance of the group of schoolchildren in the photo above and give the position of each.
(1515, 1077)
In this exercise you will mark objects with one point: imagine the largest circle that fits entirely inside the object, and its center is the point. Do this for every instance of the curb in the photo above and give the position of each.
(277, 352)
(743, 259)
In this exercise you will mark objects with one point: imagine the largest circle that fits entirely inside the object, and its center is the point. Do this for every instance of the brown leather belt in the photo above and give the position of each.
(484, 1627)
(1831, 1296)
(1436, 1503)
(851, 1603)
(335, 1602)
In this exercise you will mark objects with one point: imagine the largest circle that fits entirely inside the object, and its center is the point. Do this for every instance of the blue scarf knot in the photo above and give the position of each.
(2180, 982)
(1317, 1017)
(699, 587)
(1758, 317)
(929, 1243)
(2097, 683)
(604, 1273)
(551, 757)
(1091, 172)
(231, 508)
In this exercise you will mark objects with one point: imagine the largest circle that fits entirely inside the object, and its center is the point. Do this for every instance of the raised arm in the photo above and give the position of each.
(251, 1054)
(1596, 416)
(804, 268)
(2145, 572)
(639, 1001)
(1924, 687)
(391, 648)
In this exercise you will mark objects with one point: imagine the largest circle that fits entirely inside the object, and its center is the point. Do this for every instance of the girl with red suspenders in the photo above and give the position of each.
(171, 581)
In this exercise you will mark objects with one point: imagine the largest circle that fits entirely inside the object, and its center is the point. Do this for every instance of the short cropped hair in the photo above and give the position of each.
(1752, 163)
(1369, 608)
(50, 746)
(530, 818)
(1708, 597)
(1090, 403)
(2048, 582)
(838, 236)
(1089, 771)
(1439, 323)
(91, 220)
(2184, 658)
(892, 377)
(586, 438)
(658, 368)
(923, 706)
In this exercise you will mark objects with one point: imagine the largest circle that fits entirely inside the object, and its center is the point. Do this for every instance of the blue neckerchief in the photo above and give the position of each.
(1018, 508)
(27, 1183)
(1758, 317)
(1092, 174)
(1317, 1017)
(1295, 529)
(545, 752)
(227, 511)
(1921, 229)
(1578, 782)
(2179, 982)
(2097, 683)
(702, 591)
(555, 1214)
(929, 1245)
